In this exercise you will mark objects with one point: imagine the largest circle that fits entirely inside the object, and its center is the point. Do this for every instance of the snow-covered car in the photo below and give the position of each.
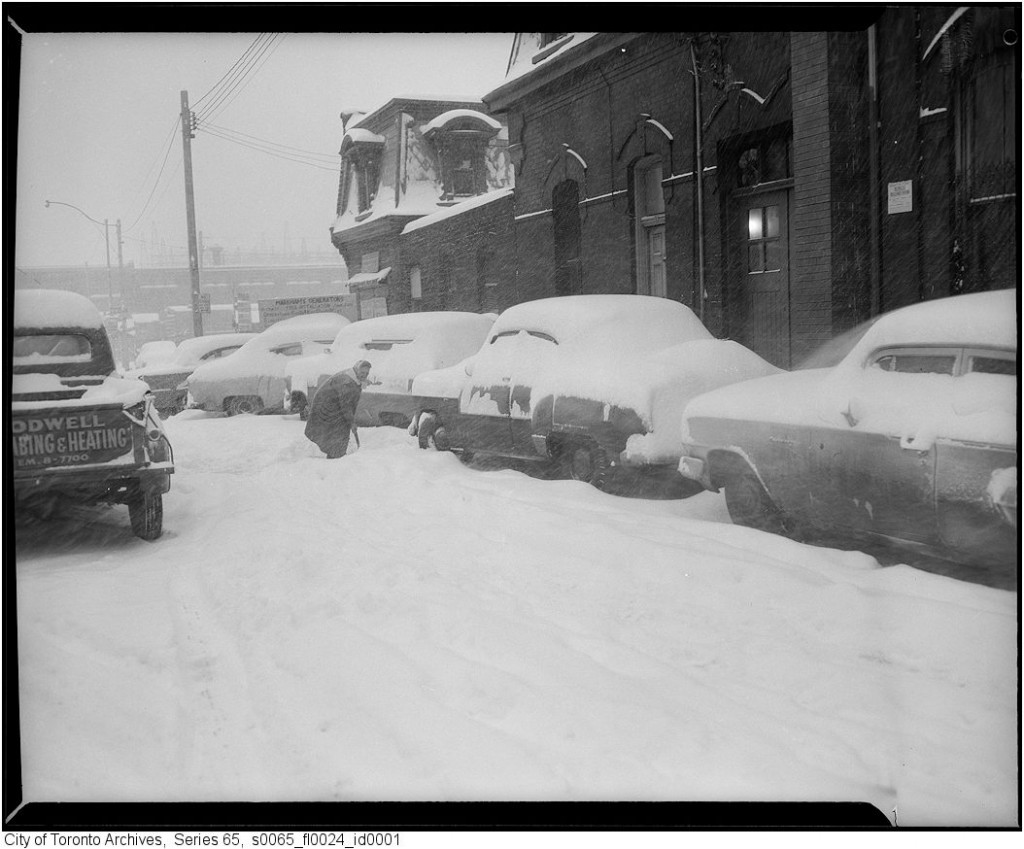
(79, 431)
(151, 353)
(593, 383)
(399, 347)
(167, 378)
(251, 380)
(911, 437)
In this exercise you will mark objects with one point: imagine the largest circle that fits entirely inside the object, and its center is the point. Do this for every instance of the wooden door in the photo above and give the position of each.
(761, 285)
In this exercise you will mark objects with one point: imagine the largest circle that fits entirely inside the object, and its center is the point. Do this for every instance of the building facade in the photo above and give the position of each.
(785, 185)
(410, 158)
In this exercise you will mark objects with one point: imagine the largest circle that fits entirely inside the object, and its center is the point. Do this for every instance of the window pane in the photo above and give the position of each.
(993, 365)
(415, 283)
(655, 198)
(754, 226)
(773, 255)
(771, 216)
(923, 363)
(51, 348)
(755, 258)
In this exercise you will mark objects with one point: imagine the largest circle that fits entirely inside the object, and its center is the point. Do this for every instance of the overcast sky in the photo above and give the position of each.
(98, 130)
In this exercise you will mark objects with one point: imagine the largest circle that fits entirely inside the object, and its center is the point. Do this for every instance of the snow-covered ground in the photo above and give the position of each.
(399, 626)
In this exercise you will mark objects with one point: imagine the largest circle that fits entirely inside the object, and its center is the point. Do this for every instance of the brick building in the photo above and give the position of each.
(844, 172)
(411, 158)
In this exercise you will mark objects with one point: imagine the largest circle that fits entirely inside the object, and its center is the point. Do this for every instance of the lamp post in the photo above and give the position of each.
(106, 234)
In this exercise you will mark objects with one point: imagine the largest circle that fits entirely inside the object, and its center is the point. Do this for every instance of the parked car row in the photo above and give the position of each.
(167, 377)
(905, 428)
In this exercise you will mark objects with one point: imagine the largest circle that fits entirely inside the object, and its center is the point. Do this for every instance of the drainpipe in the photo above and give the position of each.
(874, 187)
(699, 177)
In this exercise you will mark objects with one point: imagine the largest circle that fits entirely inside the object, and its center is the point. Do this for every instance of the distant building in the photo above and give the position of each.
(411, 158)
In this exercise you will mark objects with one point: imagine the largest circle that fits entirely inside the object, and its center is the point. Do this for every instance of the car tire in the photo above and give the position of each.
(426, 430)
(241, 404)
(586, 462)
(751, 506)
(146, 512)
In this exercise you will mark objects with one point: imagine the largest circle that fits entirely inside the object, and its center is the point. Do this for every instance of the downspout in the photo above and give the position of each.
(874, 187)
(699, 177)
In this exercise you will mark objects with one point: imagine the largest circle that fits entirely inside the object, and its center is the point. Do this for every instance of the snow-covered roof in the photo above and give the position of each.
(54, 308)
(451, 115)
(529, 58)
(357, 135)
(457, 209)
(422, 98)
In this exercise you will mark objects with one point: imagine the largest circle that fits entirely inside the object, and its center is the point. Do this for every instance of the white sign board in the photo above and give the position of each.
(901, 196)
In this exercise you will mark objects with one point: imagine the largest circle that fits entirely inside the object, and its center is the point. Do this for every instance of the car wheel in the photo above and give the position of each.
(439, 439)
(586, 462)
(146, 512)
(240, 404)
(750, 505)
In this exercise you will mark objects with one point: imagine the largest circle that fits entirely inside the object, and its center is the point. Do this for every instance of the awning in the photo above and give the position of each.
(366, 279)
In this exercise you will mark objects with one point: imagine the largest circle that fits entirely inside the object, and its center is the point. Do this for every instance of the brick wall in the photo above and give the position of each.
(466, 261)
(812, 214)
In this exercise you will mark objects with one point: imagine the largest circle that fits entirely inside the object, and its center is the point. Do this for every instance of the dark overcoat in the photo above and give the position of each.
(332, 413)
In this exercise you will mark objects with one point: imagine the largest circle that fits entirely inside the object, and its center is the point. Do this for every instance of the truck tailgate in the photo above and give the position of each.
(62, 437)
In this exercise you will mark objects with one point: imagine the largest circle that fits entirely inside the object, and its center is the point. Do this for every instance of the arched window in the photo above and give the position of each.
(565, 213)
(461, 137)
(360, 157)
(649, 203)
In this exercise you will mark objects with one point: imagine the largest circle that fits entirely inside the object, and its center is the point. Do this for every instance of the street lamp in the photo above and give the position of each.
(106, 233)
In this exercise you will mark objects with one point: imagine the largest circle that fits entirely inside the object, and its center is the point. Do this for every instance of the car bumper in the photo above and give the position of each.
(694, 466)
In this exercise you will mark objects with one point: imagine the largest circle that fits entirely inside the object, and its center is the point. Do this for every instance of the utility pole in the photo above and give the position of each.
(190, 213)
(120, 262)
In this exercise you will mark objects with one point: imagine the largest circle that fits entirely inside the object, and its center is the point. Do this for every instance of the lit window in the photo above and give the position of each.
(764, 242)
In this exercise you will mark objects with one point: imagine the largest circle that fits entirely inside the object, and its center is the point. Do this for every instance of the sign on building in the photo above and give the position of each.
(277, 309)
(901, 196)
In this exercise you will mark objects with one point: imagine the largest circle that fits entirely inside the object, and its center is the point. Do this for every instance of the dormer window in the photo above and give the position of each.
(360, 155)
(461, 137)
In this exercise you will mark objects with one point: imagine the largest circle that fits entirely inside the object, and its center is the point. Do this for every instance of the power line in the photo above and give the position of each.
(229, 93)
(231, 69)
(278, 154)
(235, 75)
(272, 46)
(329, 157)
(167, 153)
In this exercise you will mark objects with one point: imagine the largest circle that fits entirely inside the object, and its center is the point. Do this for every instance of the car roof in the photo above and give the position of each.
(982, 319)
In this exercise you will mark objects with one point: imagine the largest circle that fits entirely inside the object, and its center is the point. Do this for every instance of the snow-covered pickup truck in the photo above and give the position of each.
(80, 431)
(593, 384)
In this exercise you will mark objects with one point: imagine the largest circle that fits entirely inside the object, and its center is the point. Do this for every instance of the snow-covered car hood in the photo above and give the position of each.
(30, 391)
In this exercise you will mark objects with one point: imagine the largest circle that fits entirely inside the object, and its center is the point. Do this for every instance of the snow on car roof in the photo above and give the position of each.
(321, 325)
(409, 326)
(980, 318)
(54, 308)
(650, 321)
(191, 350)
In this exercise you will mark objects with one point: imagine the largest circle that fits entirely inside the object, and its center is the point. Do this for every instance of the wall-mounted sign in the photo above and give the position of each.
(901, 196)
